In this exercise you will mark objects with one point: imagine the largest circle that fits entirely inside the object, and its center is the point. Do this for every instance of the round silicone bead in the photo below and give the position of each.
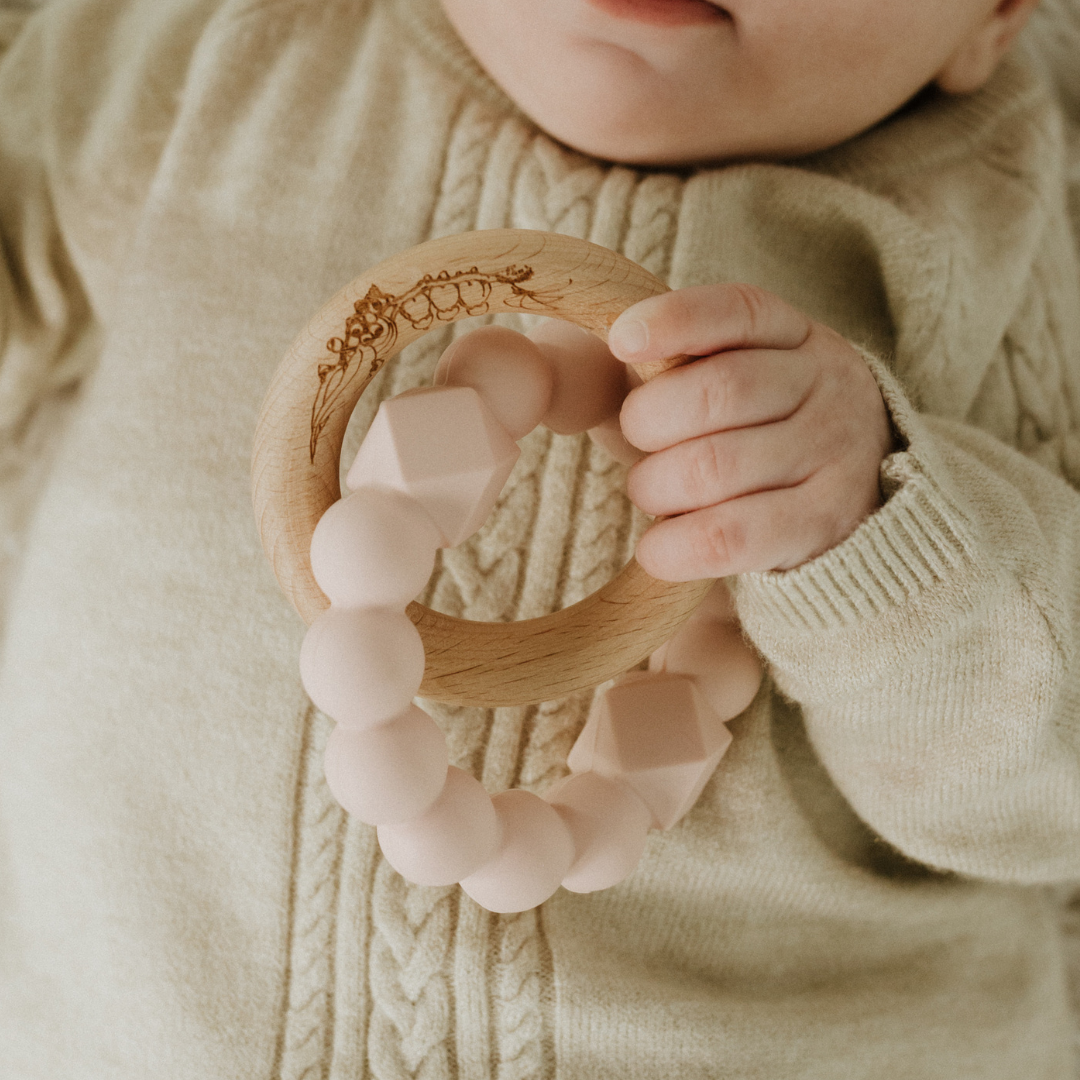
(457, 834)
(533, 857)
(362, 666)
(590, 383)
(506, 369)
(725, 668)
(374, 548)
(390, 772)
(608, 436)
(609, 824)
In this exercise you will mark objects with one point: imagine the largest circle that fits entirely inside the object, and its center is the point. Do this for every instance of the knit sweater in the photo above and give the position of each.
(861, 889)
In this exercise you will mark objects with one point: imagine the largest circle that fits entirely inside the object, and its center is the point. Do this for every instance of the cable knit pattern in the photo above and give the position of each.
(1031, 392)
(555, 190)
(653, 216)
(516, 985)
(411, 1019)
(308, 1029)
(470, 144)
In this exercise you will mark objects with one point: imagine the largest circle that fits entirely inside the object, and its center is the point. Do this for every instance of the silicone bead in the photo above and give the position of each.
(374, 548)
(387, 773)
(590, 383)
(718, 605)
(608, 436)
(443, 447)
(656, 733)
(457, 834)
(508, 372)
(533, 857)
(362, 666)
(725, 668)
(609, 825)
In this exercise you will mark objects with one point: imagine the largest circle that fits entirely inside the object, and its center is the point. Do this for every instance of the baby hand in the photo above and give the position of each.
(766, 450)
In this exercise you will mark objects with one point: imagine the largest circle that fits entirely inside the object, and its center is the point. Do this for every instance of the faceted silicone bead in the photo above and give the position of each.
(362, 666)
(506, 369)
(374, 548)
(656, 733)
(390, 772)
(590, 383)
(456, 835)
(609, 825)
(533, 857)
(727, 671)
(443, 447)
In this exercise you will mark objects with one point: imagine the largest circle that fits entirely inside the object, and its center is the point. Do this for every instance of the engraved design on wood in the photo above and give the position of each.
(371, 331)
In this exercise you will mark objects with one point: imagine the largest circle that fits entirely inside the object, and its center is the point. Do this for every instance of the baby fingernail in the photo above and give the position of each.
(628, 338)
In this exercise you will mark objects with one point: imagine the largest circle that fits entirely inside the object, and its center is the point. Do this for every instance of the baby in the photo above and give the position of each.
(769, 450)
(860, 208)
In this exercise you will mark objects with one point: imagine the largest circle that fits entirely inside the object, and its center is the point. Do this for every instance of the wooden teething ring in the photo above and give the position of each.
(307, 408)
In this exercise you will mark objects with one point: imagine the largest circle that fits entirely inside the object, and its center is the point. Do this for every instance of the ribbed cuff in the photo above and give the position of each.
(916, 541)
(839, 618)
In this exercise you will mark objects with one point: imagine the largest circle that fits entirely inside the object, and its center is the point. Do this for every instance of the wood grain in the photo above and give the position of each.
(312, 396)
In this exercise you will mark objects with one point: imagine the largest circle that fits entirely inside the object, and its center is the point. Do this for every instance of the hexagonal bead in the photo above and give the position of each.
(656, 733)
(443, 447)
(726, 669)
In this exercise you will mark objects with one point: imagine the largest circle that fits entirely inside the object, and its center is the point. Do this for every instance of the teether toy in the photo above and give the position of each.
(427, 475)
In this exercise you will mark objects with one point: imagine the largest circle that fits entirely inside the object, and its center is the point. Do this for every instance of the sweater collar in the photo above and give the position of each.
(431, 31)
(935, 129)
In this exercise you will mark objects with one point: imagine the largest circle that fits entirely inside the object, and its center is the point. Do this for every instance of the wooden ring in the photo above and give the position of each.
(295, 462)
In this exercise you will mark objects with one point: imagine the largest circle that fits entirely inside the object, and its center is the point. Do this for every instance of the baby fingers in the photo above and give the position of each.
(768, 530)
(733, 390)
(726, 465)
(706, 319)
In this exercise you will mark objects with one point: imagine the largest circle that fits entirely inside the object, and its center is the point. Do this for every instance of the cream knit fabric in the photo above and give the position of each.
(859, 892)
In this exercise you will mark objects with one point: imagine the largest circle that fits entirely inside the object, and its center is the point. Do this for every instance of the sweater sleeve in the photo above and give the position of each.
(934, 654)
(43, 307)
(88, 92)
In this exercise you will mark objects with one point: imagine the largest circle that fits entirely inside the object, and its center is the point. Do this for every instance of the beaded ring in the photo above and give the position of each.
(427, 474)
(295, 462)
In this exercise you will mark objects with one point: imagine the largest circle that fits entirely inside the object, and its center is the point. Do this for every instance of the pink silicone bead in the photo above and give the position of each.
(374, 548)
(718, 605)
(657, 734)
(390, 772)
(457, 834)
(508, 372)
(532, 859)
(362, 666)
(608, 436)
(726, 670)
(443, 447)
(609, 824)
(590, 383)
